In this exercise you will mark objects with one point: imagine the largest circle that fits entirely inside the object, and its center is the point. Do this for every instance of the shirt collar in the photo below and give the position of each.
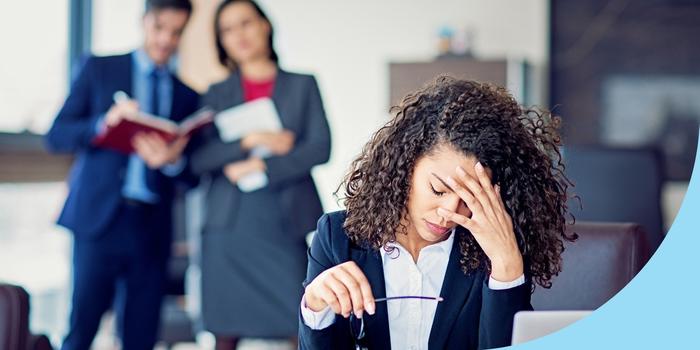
(145, 64)
(443, 246)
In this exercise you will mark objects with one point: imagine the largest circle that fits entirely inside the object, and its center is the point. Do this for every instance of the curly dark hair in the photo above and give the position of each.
(519, 145)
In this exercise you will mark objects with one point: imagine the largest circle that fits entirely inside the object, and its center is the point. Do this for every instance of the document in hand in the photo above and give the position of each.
(118, 137)
(236, 122)
(256, 115)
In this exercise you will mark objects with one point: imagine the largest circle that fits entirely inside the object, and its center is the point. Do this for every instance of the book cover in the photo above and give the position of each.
(119, 137)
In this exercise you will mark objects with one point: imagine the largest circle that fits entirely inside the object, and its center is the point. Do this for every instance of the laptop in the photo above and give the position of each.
(529, 325)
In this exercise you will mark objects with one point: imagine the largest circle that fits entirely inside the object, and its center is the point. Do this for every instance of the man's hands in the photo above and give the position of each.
(120, 110)
(155, 151)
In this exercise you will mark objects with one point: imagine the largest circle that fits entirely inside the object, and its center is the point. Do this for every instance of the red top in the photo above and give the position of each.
(257, 89)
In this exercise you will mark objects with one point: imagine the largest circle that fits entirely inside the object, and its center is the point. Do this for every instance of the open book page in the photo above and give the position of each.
(152, 121)
(196, 121)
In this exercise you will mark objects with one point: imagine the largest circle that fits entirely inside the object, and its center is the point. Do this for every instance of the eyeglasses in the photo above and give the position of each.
(357, 331)
(357, 326)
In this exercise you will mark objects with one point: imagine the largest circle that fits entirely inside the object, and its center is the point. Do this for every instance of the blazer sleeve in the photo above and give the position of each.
(211, 154)
(312, 148)
(497, 311)
(75, 126)
(321, 257)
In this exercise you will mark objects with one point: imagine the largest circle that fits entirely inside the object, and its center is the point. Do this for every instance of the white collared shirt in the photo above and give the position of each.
(410, 320)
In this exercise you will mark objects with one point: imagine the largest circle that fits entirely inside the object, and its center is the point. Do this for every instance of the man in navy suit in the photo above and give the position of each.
(119, 205)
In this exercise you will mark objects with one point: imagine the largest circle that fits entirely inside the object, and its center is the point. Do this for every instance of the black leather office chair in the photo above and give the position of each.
(596, 266)
(617, 185)
(14, 321)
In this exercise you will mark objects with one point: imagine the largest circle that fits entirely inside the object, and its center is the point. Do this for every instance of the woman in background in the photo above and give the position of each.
(253, 247)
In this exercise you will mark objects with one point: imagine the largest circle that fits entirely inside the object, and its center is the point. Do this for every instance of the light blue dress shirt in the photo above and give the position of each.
(135, 180)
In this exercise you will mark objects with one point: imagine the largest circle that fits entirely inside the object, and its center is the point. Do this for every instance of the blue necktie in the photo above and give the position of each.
(155, 92)
(154, 80)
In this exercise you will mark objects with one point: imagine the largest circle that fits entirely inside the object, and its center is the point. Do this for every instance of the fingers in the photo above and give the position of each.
(477, 190)
(288, 136)
(280, 143)
(353, 296)
(119, 110)
(181, 142)
(489, 189)
(327, 295)
(142, 145)
(231, 172)
(156, 142)
(344, 288)
(367, 298)
(502, 205)
(341, 294)
(465, 195)
(156, 151)
(456, 218)
(128, 108)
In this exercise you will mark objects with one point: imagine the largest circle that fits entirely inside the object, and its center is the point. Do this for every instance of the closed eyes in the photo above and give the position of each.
(435, 192)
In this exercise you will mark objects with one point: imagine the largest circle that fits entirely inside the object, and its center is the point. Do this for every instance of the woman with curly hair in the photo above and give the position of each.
(453, 209)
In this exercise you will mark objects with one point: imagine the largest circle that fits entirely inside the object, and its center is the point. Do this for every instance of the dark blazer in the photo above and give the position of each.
(97, 175)
(298, 102)
(472, 316)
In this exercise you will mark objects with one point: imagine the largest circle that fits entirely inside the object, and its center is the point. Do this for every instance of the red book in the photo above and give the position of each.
(119, 136)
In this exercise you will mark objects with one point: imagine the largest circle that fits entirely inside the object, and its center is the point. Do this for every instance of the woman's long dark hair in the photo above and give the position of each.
(224, 58)
(520, 146)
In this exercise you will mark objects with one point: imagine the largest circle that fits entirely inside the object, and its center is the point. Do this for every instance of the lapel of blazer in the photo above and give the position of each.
(455, 289)
(177, 103)
(377, 325)
(120, 75)
(279, 97)
(234, 91)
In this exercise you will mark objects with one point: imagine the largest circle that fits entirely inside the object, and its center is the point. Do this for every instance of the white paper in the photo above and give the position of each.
(253, 181)
(257, 180)
(238, 121)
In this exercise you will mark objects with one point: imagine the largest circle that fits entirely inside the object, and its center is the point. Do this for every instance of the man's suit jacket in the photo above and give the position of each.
(298, 101)
(471, 316)
(97, 175)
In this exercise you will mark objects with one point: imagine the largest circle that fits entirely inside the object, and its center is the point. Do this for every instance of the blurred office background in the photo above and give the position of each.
(623, 74)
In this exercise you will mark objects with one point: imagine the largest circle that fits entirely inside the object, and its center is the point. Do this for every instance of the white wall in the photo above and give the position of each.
(348, 45)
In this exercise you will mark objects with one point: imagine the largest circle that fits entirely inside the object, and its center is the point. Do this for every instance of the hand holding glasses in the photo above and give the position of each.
(346, 290)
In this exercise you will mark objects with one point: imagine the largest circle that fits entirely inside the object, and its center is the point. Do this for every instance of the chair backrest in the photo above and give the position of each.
(617, 185)
(595, 267)
(14, 317)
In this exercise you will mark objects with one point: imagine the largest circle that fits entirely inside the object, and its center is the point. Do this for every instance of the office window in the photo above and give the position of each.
(33, 73)
(35, 253)
(116, 25)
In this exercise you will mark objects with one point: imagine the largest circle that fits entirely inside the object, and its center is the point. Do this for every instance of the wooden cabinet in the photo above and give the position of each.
(24, 159)
(409, 76)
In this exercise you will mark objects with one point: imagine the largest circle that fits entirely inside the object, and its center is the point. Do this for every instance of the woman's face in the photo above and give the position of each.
(429, 191)
(244, 34)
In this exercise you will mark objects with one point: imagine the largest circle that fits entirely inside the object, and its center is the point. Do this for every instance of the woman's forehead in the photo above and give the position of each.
(445, 160)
